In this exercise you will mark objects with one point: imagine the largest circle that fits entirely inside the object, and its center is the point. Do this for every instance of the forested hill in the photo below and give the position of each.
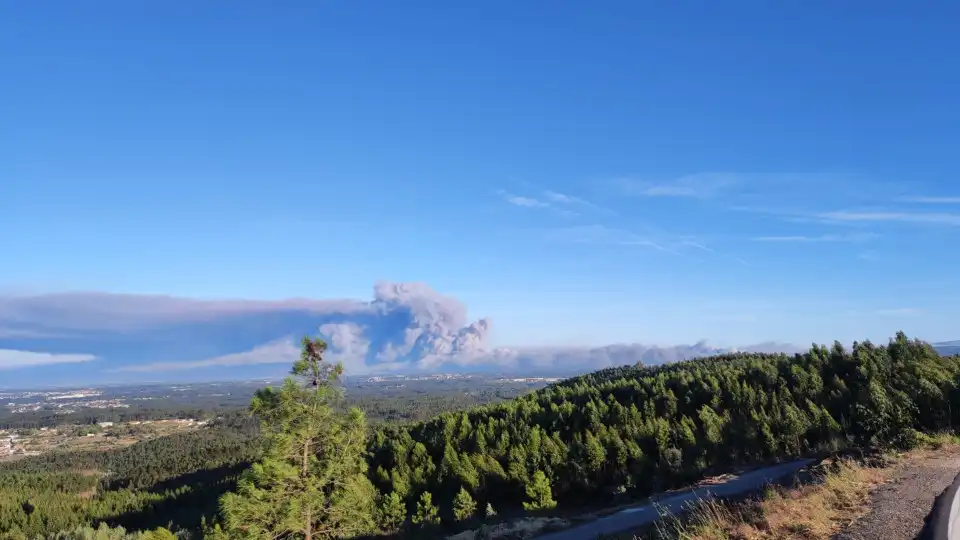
(634, 430)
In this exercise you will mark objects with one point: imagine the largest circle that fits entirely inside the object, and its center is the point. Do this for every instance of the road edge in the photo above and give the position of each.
(605, 525)
(945, 518)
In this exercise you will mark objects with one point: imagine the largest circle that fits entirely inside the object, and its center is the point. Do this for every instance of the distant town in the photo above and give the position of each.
(454, 377)
(86, 395)
(65, 402)
(22, 442)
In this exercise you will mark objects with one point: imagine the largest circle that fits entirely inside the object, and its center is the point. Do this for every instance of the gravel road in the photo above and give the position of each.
(639, 516)
(899, 508)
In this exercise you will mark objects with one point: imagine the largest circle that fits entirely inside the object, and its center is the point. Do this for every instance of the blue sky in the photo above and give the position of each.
(580, 173)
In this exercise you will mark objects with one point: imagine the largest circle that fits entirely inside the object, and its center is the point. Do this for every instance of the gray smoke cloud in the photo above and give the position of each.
(63, 312)
(437, 331)
(405, 326)
(348, 340)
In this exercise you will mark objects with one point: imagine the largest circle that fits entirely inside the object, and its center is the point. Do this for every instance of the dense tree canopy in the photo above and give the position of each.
(633, 430)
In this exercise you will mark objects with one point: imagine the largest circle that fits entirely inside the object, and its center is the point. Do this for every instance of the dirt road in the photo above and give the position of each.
(899, 508)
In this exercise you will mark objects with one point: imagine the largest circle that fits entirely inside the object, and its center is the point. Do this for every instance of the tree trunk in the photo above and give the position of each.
(308, 526)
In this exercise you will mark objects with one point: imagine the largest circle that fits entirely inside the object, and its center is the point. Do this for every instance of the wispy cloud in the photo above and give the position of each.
(573, 201)
(900, 312)
(932, 200)
(535, 203)
(12, 359)
(820, 238)
(612, 232)
(600, 234)
(528, 202)
(798, 197)
(737, 259)
(699, 186)
(693, 242)
(852, 218)
(651, 237)
(696, 245)
(564, 199)
(561, 203)
(933, 218)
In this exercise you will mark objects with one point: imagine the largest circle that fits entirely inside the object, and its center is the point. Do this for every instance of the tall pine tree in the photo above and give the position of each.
(311, 482)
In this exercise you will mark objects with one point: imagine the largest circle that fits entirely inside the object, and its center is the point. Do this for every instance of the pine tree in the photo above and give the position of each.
(158, 534)
(595, 455)
(312, 479)
(490, 512)
(464, 507)
(427, 513)
(539, 493)
(390, 513)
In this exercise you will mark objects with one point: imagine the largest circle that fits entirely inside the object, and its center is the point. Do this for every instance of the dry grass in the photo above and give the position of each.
(813, 511)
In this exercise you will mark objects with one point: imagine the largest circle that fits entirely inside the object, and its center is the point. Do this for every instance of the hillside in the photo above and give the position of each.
(626, 432)
(948, 348)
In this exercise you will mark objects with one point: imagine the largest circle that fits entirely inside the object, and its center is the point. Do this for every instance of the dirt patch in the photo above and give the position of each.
(90, 493)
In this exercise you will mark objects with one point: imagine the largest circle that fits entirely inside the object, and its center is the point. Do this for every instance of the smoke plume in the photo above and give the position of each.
(403, 327)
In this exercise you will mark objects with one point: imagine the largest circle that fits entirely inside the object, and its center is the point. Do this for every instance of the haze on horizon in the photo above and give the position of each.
(461, 186)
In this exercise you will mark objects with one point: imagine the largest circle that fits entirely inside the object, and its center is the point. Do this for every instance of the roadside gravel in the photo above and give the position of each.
(899, 508)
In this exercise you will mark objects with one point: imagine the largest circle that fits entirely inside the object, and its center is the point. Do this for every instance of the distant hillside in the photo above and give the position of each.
(947, 347)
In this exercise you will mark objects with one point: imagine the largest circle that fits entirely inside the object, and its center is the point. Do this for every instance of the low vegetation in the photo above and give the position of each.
(103, 532)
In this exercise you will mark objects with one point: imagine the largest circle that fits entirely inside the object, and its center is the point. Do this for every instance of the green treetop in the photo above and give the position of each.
(311, 482)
